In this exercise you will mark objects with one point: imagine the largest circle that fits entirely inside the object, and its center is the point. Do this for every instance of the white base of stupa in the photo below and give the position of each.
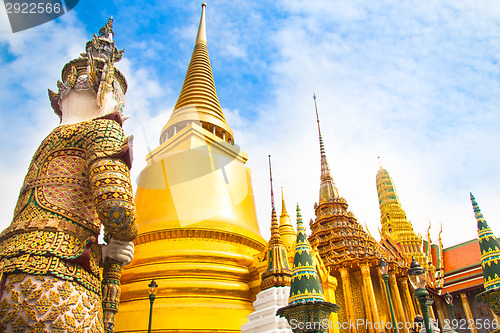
(264, 319)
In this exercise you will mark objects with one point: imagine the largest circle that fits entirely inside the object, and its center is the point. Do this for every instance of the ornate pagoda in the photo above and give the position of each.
(351, 254)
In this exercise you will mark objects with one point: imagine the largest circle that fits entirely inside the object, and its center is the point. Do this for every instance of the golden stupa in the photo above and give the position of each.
(198, 232)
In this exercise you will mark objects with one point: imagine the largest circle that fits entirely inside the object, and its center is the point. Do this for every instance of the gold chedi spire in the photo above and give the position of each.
(327, 190)
(198, 102)
(278, 273)
(287, 233)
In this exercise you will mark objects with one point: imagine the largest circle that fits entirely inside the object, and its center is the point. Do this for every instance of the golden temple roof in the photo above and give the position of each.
(198, 101)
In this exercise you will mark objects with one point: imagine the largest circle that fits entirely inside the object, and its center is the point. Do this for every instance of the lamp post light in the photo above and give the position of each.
(449, 300)
(383, 267)
(153, 288)
(418, 279)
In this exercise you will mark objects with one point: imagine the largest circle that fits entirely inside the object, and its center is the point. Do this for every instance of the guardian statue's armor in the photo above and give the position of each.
(78, 179)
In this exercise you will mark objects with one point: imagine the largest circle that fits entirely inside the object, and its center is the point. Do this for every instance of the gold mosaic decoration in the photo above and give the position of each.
(64, 307)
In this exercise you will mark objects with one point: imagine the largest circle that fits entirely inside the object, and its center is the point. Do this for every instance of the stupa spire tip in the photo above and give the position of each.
(202, 29)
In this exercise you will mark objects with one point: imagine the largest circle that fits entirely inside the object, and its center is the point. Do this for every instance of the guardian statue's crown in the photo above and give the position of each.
(94, 70)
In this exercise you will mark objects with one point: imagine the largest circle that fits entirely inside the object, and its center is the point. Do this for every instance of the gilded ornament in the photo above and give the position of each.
(39, 326)
(43, 305)
(79, 312)
(58, 326)
(14, 295)
(4, 307)
(51, 316)
(36, 294)
(54, 297)
(27, 287)
(11, 315)
(70, 320)
(31, 314)
(26, 306)
(19, 325)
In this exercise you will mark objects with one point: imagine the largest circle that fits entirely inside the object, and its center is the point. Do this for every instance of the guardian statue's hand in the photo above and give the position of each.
(118, 250)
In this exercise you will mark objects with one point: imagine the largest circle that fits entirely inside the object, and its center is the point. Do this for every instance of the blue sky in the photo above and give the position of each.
(415, 83)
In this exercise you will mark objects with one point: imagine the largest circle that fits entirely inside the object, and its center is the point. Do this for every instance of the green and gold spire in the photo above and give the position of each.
(278, 273)
(198, 101)
(490, 250)
(305, 285)
(327, 190)
(287, 232)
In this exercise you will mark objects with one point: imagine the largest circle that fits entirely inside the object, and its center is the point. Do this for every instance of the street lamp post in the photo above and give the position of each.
(418, 279)
(152, 295)
(383, 267)
(449, 300)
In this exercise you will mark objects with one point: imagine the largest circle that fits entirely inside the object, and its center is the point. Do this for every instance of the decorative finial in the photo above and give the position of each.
(328, 190)
(321, 146)
(107, 30)
(94, 70)
(202, 29)
(379, 163)
(477, 210)
(300, 225)
(271, 179)
(283, 207)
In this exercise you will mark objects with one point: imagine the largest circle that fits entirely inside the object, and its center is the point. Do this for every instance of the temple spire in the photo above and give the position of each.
(305, 285)
(283, 207)
(271, 180)
(490, 251)
(274, 220)
(321, 146)
(198, 102)
(201, 37)
(278, 274)
(328, 190)
(287, 233)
